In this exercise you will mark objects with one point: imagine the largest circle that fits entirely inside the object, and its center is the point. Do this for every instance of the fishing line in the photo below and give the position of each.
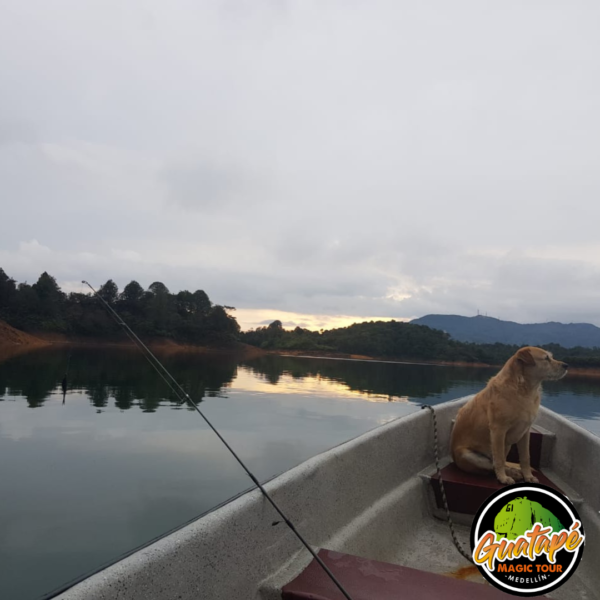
(182, 395)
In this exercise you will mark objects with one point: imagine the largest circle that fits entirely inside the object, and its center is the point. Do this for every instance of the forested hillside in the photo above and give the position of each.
(155, 312)
(394, 339)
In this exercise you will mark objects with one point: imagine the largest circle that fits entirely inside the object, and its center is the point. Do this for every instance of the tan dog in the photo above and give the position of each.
(501, 415)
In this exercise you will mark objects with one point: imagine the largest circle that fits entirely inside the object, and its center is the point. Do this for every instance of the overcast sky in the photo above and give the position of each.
(319, 162)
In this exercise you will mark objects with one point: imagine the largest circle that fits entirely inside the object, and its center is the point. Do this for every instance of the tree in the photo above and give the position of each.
(276, 326)
(220, 326)
(28, 308)
(132, 293)
(202, 301)
(8, 290)
(46, 288)
(51, 298)
(184, 316)
(184, 301)
(109, 292)
(158, 288)
(159, 317)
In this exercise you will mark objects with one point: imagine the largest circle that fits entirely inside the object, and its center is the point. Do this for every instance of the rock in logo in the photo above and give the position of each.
(527, 539)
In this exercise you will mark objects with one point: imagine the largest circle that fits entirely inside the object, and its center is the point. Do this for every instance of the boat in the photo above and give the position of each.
(373, 508)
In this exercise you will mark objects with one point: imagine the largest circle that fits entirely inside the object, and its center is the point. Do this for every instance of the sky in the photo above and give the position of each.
(320, 162)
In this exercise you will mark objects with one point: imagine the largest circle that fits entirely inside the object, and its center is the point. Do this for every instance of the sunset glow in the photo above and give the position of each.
(322, 387)
(251, 318)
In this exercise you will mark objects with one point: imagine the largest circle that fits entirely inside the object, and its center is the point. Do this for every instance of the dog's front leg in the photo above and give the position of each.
(498, 455)
(524, 460)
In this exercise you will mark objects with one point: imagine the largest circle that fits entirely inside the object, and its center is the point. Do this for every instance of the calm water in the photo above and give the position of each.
(119, 462)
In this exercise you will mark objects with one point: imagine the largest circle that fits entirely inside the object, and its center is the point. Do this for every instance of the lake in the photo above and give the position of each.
(119, 462)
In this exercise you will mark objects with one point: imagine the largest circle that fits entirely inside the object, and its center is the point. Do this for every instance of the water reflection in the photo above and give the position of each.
(123, 377)
(252, 380)
(117, 373)
(367, 380)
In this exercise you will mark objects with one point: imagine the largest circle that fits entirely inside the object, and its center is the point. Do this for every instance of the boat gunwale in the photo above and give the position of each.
(134, 562)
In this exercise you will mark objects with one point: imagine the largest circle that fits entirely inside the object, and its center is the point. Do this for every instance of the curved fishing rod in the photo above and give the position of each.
(182, 395)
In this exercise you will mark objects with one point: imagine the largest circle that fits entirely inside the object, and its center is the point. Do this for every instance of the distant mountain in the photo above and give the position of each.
(487, 330)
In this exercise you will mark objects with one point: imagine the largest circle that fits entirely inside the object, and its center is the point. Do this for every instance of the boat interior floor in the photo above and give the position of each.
(431, 545)
(417, 560)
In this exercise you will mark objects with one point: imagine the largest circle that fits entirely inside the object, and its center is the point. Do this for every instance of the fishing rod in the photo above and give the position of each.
(182, 395)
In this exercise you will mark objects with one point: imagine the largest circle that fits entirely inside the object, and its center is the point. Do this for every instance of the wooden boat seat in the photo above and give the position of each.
(466, 492)
(366, 579)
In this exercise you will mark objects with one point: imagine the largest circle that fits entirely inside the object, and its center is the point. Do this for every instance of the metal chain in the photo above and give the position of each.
(439, 472)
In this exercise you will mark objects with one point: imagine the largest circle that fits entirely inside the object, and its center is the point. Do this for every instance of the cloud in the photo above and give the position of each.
(314, 159)
(15, 131)
(207, 187)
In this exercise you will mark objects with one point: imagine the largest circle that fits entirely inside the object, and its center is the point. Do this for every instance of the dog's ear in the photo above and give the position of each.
(524, 355)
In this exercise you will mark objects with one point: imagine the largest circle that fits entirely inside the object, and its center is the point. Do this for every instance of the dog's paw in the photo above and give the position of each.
(532, 479)
(506, 480)
(516, 474)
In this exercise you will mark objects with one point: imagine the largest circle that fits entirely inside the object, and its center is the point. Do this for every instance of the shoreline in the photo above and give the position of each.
(579, 372)
(362, 357)
(31, 342)
(10, 349)
(162, 345)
